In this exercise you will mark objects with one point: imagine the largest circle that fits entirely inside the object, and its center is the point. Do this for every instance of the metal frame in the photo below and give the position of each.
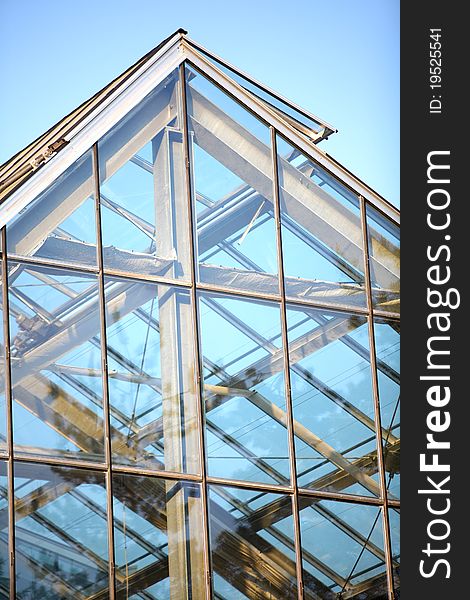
(175, 53)
(285, 345)
(375, 388)
(9, 418)
(195, 320)
(104, 369)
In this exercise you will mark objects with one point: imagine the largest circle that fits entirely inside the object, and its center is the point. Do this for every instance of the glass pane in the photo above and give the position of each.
(158, 538)
(151, 366)
(244, 390)
(143, 196)
(342, 549)
(61, 532)
(252, 546)
(387, 345)
(60, 223)
(394, 520)
(321, 233)
(332, 399)
(232, 170)
(306, 123)
(4, 550)
(3, 439)
(384, 260)
(56, 362)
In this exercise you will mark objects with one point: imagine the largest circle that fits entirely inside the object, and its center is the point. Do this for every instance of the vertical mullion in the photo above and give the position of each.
(104, 369)
(195, 321)
(9, 418)
(377, 416)
(285, 344)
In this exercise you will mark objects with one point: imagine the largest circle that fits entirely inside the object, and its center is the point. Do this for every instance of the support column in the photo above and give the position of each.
(178, 359)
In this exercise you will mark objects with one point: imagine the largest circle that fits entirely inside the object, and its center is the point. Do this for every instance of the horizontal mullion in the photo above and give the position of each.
(339, 497)
(146, 278)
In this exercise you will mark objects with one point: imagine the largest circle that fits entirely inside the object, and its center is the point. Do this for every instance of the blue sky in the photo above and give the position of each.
(337, 58)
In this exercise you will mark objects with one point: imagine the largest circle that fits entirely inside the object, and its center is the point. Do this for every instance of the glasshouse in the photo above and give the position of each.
(200, 350)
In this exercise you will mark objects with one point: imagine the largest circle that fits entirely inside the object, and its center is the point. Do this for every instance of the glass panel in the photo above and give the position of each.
(321, 233)
(387, 345)
(394, 520)
(4, 550)
(143, 195)
(60, 223)
(295, 116)
(61, 532)
(342, 548)
(3, 439)
(252, 547)
(232, 170)
(384, 260)
(151, 366)
(332, 399)
(244, 390)
(159, 548)
(56, 362)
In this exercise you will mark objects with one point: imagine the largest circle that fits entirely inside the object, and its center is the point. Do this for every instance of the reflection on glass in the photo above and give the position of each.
(342, 548)
(252, 546)
(244, 389)
(387, 345)
(61, 532)
(151, 366)
(158, 538)
(394, 520)
(60, 223)
(4, 550)
(232, 167)
(332, 399)
(321, 233)
(384, 260)
(55, 362)
(143, 195)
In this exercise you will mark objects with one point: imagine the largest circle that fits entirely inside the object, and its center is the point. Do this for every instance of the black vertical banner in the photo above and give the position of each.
(435, 218)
